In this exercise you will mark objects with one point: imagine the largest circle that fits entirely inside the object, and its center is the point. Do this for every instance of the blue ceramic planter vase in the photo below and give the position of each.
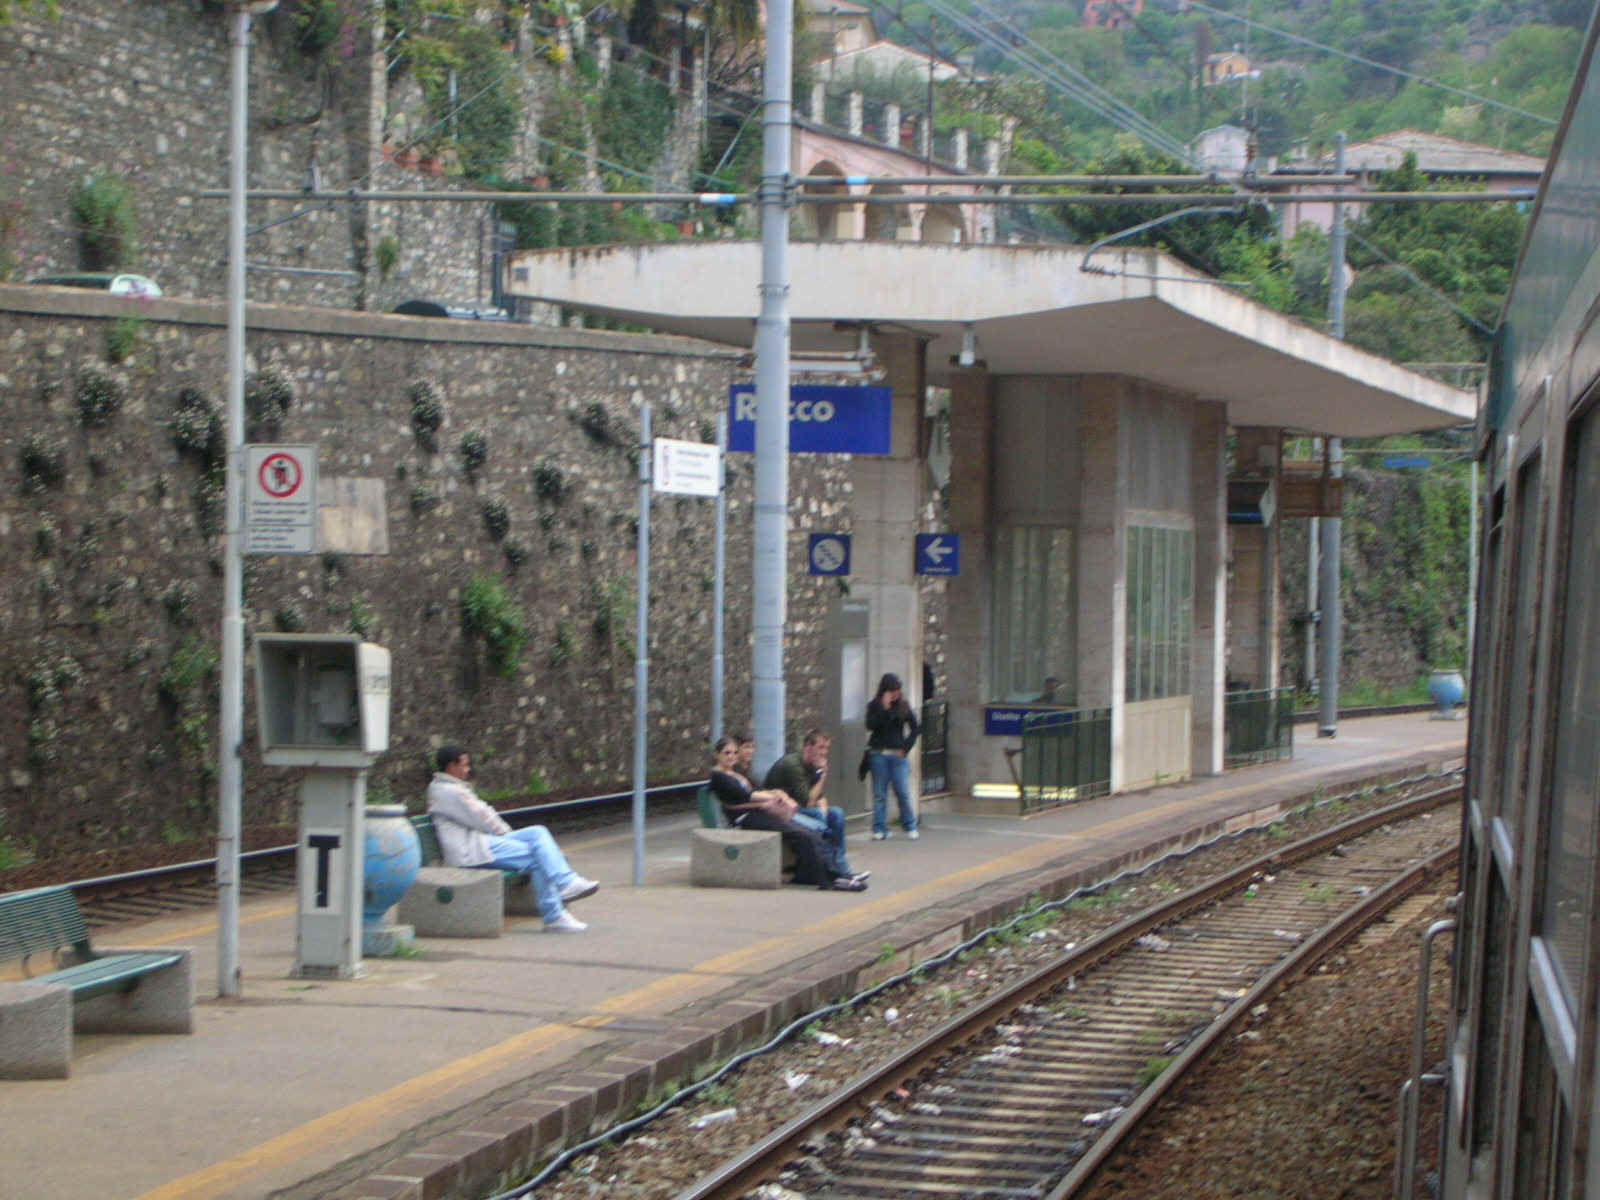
(1447, 688)
(393, 857)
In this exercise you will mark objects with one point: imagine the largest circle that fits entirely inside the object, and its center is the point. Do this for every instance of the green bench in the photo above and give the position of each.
(131, 990)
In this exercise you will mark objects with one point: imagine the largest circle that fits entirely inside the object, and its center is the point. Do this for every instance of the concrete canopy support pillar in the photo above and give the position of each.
(855, 118)
(1209, 475)
(967, 595)
(886, 515)
(819, 103)
(891, 125)
(1102, 559)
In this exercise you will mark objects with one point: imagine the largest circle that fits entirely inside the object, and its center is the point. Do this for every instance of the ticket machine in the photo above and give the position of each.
(323, 705)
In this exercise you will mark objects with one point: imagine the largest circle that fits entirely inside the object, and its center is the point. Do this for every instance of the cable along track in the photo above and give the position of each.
(1026, 1094)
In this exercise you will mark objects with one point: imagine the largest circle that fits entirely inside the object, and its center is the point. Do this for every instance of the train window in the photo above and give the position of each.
(1526, 531)
(1481, 783)
(1544, 1125)
(1567, 902)
(1485, 1095)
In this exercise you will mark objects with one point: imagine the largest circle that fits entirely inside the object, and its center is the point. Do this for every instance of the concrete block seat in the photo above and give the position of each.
(127, 990)
(720, 856)
(439, 887)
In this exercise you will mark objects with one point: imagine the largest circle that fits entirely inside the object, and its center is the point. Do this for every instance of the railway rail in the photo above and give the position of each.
(1027, 1094)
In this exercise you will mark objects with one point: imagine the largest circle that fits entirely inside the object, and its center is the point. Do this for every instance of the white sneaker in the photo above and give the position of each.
(882, 835)
(578, 889)
(913, 834)
(565, 923)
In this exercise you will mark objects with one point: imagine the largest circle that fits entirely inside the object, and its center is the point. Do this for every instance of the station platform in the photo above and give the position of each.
(476, 1053)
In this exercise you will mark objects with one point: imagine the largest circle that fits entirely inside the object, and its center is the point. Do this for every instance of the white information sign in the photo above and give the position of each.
(685, 468)
(280, 499)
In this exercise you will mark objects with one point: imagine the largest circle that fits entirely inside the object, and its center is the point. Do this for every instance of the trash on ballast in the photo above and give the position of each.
(831, 1039)
(644, 1140)
(795, 1079)
(1004, 1050)
(1250, 1035)
(1259, 1011)
(776, 1191)
(1361, 889)
(1072, 983)
(1229, 993)
(1104, 1117)
(941, 1089)
(855, 1140)
(891, 1015)
(714, 1118)
(901, 1093)
(1288, 935)
(1039, 935)
(1070, 946)
(885, 1115)
(1151, 941)
(1250, 892)
(1269, 879)
(926, 1109)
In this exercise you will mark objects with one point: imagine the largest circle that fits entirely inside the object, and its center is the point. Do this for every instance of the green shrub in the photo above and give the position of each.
(267, 399)
(427, 414)
(122, 337)
(99, 399)
(102, 214)
(474, 451)
(488, 611)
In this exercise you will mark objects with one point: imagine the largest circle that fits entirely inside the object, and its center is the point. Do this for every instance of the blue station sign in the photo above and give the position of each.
(823, 419)
(828, 553)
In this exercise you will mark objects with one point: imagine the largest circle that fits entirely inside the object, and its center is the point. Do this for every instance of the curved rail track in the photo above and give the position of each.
(1027, 1094)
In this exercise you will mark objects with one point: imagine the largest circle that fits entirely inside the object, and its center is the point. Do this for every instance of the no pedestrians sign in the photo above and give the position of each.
(280, 499)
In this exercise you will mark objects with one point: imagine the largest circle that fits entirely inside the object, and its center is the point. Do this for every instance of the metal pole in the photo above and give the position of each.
(231, 720)
(1328, 716)
(1472, 564)
(719, 577)
(770, 565)
(1309, 669)
(641, 648)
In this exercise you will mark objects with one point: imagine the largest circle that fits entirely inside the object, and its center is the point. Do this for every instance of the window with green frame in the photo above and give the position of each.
(1035, 614)
(1160, 611)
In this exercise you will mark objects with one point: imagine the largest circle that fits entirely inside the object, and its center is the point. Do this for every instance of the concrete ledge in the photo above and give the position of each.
(160, 1002)
(35, 1031)
(741, 858)
(455, 902)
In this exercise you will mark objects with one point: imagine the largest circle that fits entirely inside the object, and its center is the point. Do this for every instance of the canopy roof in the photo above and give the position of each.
(1034, 311)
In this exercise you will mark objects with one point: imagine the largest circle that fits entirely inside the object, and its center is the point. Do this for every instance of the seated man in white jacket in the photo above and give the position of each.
(472, 834)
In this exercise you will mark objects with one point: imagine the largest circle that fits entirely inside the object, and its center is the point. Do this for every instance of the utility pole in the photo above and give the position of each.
(1328, 715)
(770, 557)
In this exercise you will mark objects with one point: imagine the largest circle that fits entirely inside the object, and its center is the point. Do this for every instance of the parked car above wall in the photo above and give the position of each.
(433, 308)
(117, 283)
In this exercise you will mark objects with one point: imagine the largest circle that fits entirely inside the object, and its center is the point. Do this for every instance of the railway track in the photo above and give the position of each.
(163, 891)
(1026, 1094)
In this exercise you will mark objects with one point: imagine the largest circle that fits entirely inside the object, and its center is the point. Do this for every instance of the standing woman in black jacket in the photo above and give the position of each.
(891, 732)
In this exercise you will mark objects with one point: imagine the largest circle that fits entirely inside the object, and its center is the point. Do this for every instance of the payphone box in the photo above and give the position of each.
(322, 699)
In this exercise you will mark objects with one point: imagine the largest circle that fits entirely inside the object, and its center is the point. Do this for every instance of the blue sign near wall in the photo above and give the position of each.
(938, 554)
(1005, 720)
(822, 419)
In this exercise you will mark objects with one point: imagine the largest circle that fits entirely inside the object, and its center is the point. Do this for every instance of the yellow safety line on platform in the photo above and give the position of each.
(364, 1114)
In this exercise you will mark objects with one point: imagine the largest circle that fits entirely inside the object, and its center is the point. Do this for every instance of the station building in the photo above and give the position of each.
(1094, 409)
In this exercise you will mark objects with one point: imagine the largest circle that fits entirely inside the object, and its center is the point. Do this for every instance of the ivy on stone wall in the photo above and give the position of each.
(103, 216)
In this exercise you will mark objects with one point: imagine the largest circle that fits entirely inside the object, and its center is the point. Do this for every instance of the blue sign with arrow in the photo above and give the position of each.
(1407, 460)
(938, 554)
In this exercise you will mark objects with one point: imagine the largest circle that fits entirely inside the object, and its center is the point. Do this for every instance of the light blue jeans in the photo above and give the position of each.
(535, 853)
(895, 769)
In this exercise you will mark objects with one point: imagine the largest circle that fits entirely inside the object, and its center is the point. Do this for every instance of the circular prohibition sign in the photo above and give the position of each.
(280, 475)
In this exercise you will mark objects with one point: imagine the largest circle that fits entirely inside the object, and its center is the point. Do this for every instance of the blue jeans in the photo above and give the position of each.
(895, 769)
(830, 824)
(535, 853)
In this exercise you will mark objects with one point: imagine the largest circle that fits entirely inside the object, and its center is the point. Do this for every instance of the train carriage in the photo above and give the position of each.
(1520, 1113)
